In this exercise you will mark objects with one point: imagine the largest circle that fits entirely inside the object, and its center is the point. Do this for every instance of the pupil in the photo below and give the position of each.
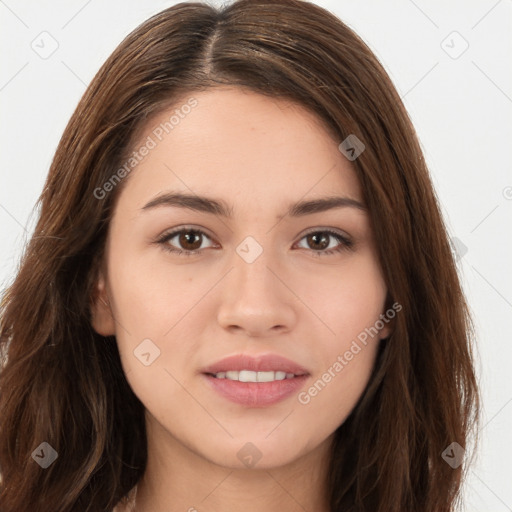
(190, 238)
(319, 239)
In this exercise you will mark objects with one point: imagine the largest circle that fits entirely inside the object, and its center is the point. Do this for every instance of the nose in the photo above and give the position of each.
(255, 300)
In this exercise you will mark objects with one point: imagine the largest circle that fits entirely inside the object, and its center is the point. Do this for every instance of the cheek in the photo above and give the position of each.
(349, 302)
(333, 393)
(150, 296)
(167, 305)
(346, 298)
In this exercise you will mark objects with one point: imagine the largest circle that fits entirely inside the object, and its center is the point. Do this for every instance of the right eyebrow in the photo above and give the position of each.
(192, 202)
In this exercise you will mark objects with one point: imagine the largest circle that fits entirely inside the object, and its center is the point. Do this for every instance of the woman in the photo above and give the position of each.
(240, 291)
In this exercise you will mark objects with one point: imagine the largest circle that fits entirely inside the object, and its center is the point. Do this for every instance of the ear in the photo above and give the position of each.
(102, 319)
(388, 318)
(386, 331)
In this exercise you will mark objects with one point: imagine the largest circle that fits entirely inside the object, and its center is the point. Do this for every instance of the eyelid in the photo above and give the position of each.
(171, 233)
(325, 229)
(346, 242)
(185, 227)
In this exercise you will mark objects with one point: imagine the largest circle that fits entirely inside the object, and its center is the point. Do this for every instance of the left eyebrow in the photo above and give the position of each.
(323, 204)
(218, 207)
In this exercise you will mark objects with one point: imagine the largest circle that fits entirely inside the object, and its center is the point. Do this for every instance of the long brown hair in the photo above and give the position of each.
(62, 383)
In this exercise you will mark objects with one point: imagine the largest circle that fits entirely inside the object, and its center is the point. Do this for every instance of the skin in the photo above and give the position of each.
(259, 155)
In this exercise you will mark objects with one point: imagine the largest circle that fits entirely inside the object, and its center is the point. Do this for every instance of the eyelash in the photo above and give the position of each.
(345, 243)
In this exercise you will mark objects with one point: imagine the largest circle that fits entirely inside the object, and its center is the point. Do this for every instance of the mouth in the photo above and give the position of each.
(250, 376)
(255, 381)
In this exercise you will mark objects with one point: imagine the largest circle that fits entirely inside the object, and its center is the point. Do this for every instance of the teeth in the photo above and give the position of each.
(250, 376)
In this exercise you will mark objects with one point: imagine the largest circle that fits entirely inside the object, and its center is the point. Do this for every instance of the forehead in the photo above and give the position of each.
(240, 145)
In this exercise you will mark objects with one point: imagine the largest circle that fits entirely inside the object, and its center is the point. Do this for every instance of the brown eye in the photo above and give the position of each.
(324, 242)
(185, 241)
(318, 241)
(190, 240)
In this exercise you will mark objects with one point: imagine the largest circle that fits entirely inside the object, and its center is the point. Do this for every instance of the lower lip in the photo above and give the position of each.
(256, 394)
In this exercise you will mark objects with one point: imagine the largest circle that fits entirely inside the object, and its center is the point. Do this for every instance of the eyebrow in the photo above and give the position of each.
(221, 208)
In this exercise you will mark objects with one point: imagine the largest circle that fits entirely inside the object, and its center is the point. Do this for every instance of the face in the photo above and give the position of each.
(226, 269)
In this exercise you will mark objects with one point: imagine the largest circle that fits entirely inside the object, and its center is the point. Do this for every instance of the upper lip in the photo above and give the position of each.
(261, 363)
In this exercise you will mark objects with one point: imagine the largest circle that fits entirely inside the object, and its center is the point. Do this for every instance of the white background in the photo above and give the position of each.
(461, 108)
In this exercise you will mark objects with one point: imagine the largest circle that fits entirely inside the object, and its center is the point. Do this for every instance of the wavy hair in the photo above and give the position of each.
(62, 383)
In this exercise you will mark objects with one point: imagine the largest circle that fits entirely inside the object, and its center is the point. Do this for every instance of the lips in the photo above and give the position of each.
(264, 363)
(255, 381)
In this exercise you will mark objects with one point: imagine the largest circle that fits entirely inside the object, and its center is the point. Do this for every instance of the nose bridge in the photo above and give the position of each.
(251, 272)
(254, 300)
(250, 249)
